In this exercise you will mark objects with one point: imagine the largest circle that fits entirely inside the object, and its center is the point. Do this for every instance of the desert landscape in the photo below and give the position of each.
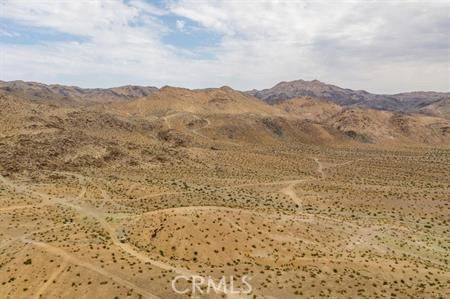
(308, 189)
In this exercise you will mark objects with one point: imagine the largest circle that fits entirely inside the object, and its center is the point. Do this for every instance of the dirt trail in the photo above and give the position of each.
(50, 279)
(189, 209)
(76, 261)
(82, 193)
(167, 122)
(19, 207)
(166, 119)
(8, 183)
(108, 200)
(160, 194)
(276, 183)
(292, 183)
(195, 131)
(89, 211)
(92, 212)
(100, 217)
(290, 192)
(21, 236)
(320, 167)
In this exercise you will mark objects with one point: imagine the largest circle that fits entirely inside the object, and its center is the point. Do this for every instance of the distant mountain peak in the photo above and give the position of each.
(73, 95)
(402, 102)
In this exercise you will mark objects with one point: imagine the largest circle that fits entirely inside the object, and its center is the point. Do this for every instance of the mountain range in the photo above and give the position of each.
(73, 95)
(427, 102)
(297, 112)
(423, 102)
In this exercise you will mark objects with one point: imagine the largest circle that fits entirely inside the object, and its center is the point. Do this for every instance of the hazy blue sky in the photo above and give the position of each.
(384, 46)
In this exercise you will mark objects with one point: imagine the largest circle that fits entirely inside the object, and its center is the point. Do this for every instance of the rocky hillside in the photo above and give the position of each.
(72, 95)
(410, 102)
(224, 100)
(43, 129)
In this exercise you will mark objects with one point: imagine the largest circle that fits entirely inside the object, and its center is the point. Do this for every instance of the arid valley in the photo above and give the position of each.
(112, 193)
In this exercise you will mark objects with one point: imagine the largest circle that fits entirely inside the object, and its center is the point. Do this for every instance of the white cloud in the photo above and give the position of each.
(4, 32)
(180, 25)
(101, 21)
(379, 46)
(370, 45)
(147, 7)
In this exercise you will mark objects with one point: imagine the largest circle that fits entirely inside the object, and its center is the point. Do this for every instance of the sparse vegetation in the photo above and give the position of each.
(93, 201)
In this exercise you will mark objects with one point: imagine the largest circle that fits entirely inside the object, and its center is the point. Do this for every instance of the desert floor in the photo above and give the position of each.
(302, 222)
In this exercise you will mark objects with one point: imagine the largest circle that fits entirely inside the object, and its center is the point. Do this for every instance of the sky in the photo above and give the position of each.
(379, 46)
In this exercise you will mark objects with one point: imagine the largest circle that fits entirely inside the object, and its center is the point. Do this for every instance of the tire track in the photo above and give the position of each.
(76, 261)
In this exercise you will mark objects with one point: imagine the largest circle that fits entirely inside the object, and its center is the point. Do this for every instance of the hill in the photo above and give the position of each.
(410, 102)
(179, 116)
(307, 197)
(222, 100)
(72, 95)
(309, 108)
